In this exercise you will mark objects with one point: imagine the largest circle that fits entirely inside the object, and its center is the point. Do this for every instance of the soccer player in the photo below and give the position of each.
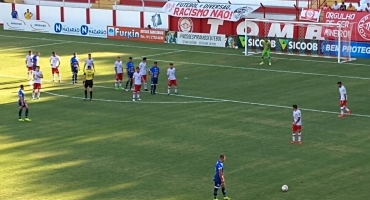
(89, 62)
(297, 125)
(130, 69)
(22, 105)
(29, 65)
(75, 67)
(154, 74)
(137, 85)
(35, 60)
(55, 63)
(266, 44)
(119, 73)
(343, 100)
(88, 81)
(143, 72)
(219, 178)
(37, 76)
(171, 75)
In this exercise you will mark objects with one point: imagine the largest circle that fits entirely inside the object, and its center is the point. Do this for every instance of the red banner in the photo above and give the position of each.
(312, 15)
(355, 26)
(136, 34)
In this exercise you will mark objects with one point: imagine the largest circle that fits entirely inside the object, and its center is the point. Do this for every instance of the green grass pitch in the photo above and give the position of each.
(165, 147)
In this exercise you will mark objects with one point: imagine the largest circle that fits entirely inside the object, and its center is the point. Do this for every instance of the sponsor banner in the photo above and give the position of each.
(201, 39)
(136, 34)
(355, 25)
(55, 28)
(80, 30)
(308, 14)
(27, 25)
(228, 12)
(156, 20)
(353, 49)
(282, 45)
(171, 37)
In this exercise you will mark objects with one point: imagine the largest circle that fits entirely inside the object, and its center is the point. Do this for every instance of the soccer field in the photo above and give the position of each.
(165, 147)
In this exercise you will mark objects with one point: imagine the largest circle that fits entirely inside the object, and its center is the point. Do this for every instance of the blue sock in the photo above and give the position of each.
(215, 193)
(20, 113)
(224, 191)
(26, 112)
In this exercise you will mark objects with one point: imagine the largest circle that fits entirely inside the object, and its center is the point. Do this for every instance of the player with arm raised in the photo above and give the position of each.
(137, 85)
(343, 100)
(171, 75)
(219, 178)
(37, 76)
(22, 105)
(297, 125)
(89, 62)
(119, 73)
(55, 63)
(29, 65)
(266, 44)
(75, 67)
(130, 69)
(154, 74)
(143, 72)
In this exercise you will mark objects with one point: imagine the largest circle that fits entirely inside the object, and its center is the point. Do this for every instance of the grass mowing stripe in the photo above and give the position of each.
(190, 51)
(41, 45)
(209, 100)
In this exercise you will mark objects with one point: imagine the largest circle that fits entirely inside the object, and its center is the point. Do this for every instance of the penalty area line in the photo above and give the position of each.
(142, 102)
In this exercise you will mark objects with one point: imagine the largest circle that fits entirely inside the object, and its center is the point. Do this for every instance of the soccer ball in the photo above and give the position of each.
(236, 47)
(284, 188)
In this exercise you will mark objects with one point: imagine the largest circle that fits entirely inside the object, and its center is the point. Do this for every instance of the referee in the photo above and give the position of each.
(88, 81)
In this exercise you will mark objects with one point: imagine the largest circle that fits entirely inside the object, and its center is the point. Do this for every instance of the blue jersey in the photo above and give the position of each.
(21, 98)
(35, 60)
(74, 62)
(154, 72)
(219, 165)
(130, 67)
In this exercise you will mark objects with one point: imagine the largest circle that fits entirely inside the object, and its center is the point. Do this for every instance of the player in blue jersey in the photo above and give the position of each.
(35, 60)
(154, 74)
(219, 178)
(22, 105)
(75, 67)
(130, 68)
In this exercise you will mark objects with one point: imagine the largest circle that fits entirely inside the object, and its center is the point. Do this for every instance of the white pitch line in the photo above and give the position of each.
(144, 102)
(192, 51)
(41, 45)
(214, 100)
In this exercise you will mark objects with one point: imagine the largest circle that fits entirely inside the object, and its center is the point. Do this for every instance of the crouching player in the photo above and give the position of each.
(22, 105)
(154, 74)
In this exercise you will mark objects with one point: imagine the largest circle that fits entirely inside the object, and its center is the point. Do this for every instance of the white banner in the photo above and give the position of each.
(312, 15)
(201, 39)
(156, 20)
(228, 12)
(62, 28)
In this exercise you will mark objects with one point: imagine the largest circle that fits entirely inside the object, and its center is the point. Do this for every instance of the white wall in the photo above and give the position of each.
(5, 11)
(137, 8)
(57, 4)
(128, 19)
(50, 13)
(101, 16)
(76, 15)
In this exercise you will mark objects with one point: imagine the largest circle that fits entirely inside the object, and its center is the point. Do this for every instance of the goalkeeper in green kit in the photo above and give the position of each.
(266, 44)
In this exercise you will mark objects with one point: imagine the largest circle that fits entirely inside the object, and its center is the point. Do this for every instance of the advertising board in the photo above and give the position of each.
(201, 39)
(353, 49)
(62, 28)
(136, 34)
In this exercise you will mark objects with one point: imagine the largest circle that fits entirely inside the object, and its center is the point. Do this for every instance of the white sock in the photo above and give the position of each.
(115, 84)
(38, 94)
(60, 77)
(133, 96)
(341, 111)
(175, 89)
(120, 84)
(33, 94)
(145, 86)
(53, 77)
(299, 137)
(168, 90)
(138, 95)
(346, 109)
(293, 137)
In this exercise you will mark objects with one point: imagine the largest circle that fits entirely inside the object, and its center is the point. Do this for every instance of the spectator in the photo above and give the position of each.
(149, 27)
(343, 7)
(14, 14)
(359, 7)
(336, 6)
(325, 7)
(351, 7)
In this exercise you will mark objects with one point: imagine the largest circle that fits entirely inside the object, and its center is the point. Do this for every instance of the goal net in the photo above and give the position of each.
(327, 40)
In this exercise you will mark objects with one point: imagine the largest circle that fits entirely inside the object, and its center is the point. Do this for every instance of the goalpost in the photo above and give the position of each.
(326, 40)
